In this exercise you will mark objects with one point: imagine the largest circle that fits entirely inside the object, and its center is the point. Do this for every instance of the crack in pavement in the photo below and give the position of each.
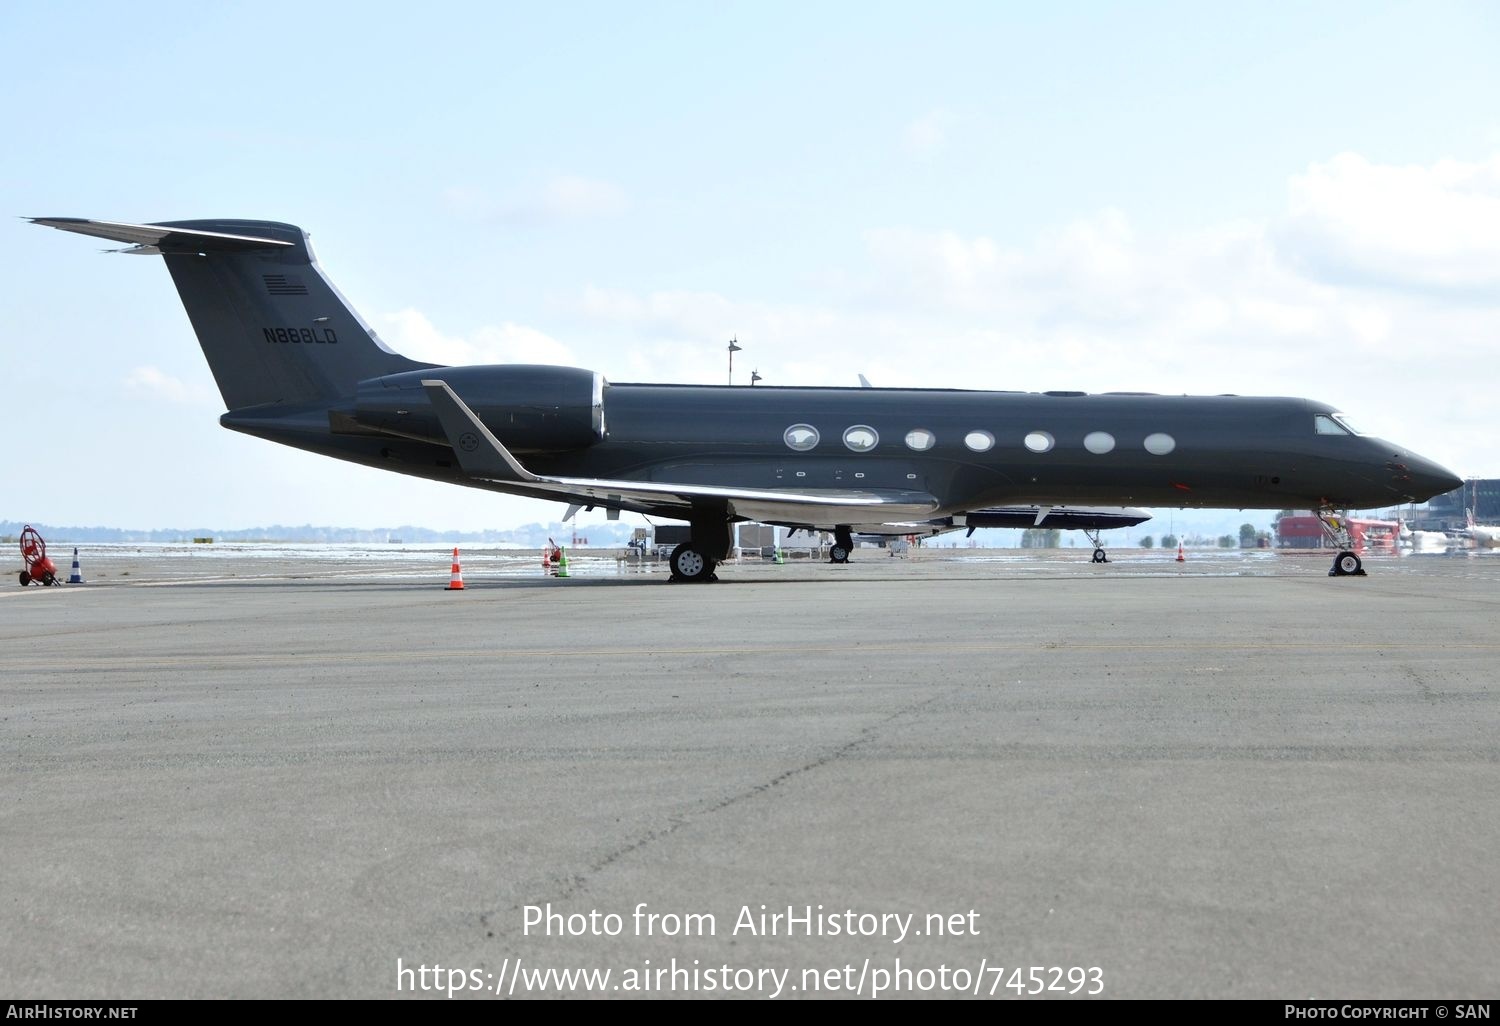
(866, 735)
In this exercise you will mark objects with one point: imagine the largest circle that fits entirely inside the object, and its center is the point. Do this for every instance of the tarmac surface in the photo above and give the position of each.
(262, 771)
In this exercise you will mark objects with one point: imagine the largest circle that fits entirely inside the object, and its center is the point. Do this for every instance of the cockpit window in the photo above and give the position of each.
(1330, 425)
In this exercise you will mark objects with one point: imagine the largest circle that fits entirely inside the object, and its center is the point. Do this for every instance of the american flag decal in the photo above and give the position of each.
(284, 285)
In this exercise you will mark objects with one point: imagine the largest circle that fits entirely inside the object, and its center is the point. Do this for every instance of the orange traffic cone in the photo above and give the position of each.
(1179, 552)
(456, 582)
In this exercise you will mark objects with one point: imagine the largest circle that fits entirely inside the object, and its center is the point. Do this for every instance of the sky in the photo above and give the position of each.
(1278, 199)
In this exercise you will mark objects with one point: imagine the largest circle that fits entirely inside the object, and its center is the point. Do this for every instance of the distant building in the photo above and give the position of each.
(1446, 512)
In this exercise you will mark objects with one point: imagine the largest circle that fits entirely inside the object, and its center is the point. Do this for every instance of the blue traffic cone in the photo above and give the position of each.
(76, 577)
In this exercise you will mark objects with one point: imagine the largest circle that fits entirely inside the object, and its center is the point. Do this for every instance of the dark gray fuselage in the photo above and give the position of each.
(1226, 451)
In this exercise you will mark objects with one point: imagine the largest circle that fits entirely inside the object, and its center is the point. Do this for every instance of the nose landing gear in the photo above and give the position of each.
(1336, 529)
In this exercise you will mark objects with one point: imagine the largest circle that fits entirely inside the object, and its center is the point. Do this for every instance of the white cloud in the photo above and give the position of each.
(152, 383)
(1095, 285)
(410, 333)
(942, 265)
(1421, 227)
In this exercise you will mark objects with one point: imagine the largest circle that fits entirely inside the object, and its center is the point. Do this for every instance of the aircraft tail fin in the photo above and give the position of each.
(273, 328)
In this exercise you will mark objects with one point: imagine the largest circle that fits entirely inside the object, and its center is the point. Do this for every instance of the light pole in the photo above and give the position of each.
(734, 347)
(754, 377)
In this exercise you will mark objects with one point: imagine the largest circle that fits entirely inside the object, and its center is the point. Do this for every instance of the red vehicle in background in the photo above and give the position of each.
(1306, 532)
(34, 552)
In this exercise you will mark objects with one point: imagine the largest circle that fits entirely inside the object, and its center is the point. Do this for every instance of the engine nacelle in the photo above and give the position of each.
(530, 408)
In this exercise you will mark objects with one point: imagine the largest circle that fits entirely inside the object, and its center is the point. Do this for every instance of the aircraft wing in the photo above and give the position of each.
(1063, 518)
(483, 456)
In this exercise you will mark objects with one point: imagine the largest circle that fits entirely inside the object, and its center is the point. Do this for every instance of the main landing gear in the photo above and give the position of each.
(843, 544)
(688, 564)
(1336, 529)
(693, 562)
(1092, 534)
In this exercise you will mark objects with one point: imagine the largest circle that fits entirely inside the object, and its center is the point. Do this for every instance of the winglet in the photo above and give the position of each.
(480, 453)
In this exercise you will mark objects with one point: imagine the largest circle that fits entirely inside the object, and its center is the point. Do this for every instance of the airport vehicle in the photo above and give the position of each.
(297, 365)
(34, 554)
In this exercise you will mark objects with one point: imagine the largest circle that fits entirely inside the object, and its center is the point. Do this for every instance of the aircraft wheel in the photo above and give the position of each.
(688, 564)
(1100, 557)
(25, 578)
(838, 554)
(1346, 564)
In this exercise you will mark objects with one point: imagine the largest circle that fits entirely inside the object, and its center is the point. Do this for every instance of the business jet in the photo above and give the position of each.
(1485, 536)
(297, 365)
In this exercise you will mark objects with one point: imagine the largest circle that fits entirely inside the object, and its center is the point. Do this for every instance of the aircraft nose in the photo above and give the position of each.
(1418, 478)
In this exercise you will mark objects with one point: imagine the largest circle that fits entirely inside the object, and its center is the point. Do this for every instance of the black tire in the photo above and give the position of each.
(1100, 557)
(25, 578)
(688, 564)
(49, 579)
(838, 554)
(1346, 564)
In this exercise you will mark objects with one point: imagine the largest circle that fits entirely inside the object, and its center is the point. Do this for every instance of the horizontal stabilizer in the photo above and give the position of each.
(156, 238)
